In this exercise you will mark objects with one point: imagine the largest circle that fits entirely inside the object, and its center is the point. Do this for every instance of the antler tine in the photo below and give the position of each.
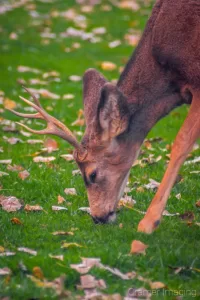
(35, 99)
(54, 126)
(30, 116)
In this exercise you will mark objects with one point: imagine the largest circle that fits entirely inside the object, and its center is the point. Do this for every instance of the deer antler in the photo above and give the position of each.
(54, 126)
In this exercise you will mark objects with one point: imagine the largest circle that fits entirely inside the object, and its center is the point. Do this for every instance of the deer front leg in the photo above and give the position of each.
(183, 144)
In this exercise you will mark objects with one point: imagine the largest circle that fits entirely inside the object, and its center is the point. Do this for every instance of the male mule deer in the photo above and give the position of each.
(163, 73)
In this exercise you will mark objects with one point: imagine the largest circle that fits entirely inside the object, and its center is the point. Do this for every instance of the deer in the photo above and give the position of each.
(162, 74)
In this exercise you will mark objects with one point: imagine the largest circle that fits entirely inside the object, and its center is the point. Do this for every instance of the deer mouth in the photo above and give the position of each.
(109, 218)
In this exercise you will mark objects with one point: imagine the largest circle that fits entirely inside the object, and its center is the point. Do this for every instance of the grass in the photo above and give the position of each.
(174, 244)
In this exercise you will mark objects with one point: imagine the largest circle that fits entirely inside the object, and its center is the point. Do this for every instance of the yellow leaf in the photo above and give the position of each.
(68, 245)
(9, 104)
(16, 221)
(37, 272)
(157, 285)
(108, 66)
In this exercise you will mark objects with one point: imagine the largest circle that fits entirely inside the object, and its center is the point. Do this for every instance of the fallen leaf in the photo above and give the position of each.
(9, 104)
(157, 285)
(127, 201)
(167, 214)
(34, 141)
(70, 191)
(2, 249)
(108, 66)
(138, 247)
(69, 245)
(6, 161)
(16, 221)
(12, 140)
(194, 161)
(24, 174)
(23, 69)
(68, 157)
(152, 185)
(5, 271)
(59, 257)
(39, 159)
(68, 97)
(33, 207)
(198, 203)
(15, 168)
(61, 200)
(75, 78)
(7, 253)
(37, 272)
(27, 250)
(57, 208)
(51, 145)
(85, 209)
(178, 196)
(86, 265)
(90, 282)
(62, 233)
(10, 203)
(51, 74)
(187, 216)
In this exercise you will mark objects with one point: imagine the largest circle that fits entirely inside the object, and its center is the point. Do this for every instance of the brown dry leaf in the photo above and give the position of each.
(23, 69)
(62, 233)
(9, 104)
(59, 257)
(69, 245)
(33, 207)
(138, 247)
(58, 208)
(67, 157)
(27, 250)
(5, 271)
(157, 285)
(86, 265)
(61, 200)
(57, 284)
(10, 203)
(70, 191)
(12, 140)
(45, 93)
(42, 159)
(198, 203)
(108, 66)
(15, 168)
(129, 4)
(6, 161)
(36, 81)
(90, 282)
(126, 201)
(51, 145)
(37, 272)
(16, 221)
(187, 216)
(24, 174)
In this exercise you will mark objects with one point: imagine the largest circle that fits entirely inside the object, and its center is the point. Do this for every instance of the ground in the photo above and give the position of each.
(26, 41)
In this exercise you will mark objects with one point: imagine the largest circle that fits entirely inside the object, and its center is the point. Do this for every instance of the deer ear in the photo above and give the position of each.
(113, 112)
(93, 82)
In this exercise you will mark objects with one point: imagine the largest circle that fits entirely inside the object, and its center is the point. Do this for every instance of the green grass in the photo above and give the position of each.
(174, 244)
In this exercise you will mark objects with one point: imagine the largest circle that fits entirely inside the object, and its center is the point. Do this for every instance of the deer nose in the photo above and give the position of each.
(110, 217)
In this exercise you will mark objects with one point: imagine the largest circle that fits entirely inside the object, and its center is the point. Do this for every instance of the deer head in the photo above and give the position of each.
(106, 153)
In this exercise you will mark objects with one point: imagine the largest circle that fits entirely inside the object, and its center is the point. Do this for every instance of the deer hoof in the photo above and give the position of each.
(148, 225)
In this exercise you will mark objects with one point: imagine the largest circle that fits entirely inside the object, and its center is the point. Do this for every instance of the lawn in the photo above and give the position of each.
(34, 35)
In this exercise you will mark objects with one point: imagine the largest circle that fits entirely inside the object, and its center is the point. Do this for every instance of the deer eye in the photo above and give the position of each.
(93, 176)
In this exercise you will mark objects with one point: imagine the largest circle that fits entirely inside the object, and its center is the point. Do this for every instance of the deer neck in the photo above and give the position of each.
(150, 90)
